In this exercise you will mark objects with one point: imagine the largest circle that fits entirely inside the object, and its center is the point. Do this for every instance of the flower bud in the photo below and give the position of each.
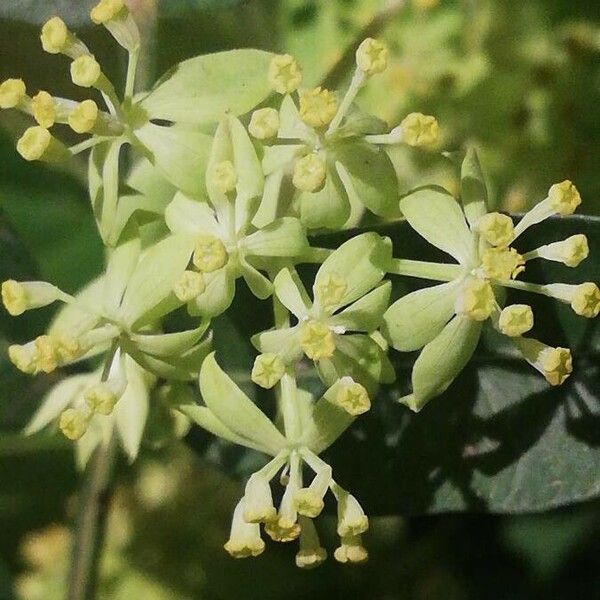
(85, 71)
(73, 423)
(190, 285)
(309, 501)
(372, 56)
(351, 550)
(352, 520)
(106, 10)
(317, 106)
(18, 297)
(24, 357)
(352, 397)
(316, 340)
(284, 74)
(47, 357)
(420, 130)
(67, 348)
(311, 554)
(476, 300)
(556, 364)
(38, 143)
(44, 111)
(330, 291)
(101, 399)
(54, 35)
(264, 123)
(209, 254)
(496, 229)
(224, 177)
(258, 500)
(84, 117)
(12, 93)
(586, 300)
(244, 538)
(268, 369)
(502, 263)
(309, 173)
(570, 252)
(564, 198)
(515, 320)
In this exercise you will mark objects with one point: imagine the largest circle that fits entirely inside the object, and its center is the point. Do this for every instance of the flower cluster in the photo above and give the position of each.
(249, 167)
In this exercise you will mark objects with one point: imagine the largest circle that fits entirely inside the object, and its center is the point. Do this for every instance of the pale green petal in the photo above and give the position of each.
(329, 208)
(361, 262)
(154, 277)
(473, 191)
(259, 285)
(81, 316)
(235, 410)
(146, 208)
(184, 215)
(205, 418)
(415, 319)
(366, 313)
(217, 296)
(56, 400)
(269, 205)
(169, 344)
(180, 153)
(250, 178)
(110, 190)
(282, 237)
(146, 179)
(438, 217)
(291, 125)
(291, 293)
(369, 176)
(204, 88)
(441, 360)
(283, 342)
(281, 157)
(94, 436)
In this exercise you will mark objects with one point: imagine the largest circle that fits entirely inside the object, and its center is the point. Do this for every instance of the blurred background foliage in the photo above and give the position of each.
(520, 80)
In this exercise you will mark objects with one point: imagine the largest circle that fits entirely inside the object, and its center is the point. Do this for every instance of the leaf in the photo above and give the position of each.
(237, 412)
(204, 88)
(180, 153)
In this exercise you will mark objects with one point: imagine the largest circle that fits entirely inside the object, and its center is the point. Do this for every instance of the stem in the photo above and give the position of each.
(90, 526)
(357, 82)
(426, 270)
(525, 286)
(89, 143)
(132, 63)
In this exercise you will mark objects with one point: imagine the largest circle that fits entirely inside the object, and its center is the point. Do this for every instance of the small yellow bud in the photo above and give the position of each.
(571, 252)
(330, 291)
(420, 130)
(476, 300)
(106, 10)
(497, 229)
(224, 177)
(85, 71)
(282, 530)
(556, 364)
(316, 340)
(12, 92)
(284, 74)
(244, 538)
(14, 297)
(47, 358)
(564, 198)
(54, 36)
(268, 369)
(24, 357)
(515, 320)
(502, 263)
(44, 111)
(308, 503)
(84, 117)
(311, 557)
(264, 123)
(352, 397)
(351, 550)
(37, 143)
(73, 423)
(258, 501)
(317, 106)
(586, 300)
(67, 348)
(210, 254)
(309, 173)
(101, 399)
(372, 56)
(190, 285)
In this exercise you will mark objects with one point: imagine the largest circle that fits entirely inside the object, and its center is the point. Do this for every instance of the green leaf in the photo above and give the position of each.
(180, 153)
(237, 412)
(204, 88)
(473, 191)
(442, 359)
(415, 319)
(438, 217)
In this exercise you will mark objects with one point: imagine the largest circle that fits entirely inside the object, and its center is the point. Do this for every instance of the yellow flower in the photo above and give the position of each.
(268, 369)
(316, 340)
(264, 123)
(44, 111)
(515, 320)
(47, 358)
(190, 285)
(73, 423)
(308, 503)
(224, 177)
(282, 530)
(476, 300)
(106, 10)
(85, 71)
(372, 56)
(352, 397)
(331, 290)
(84, 117)
(420, 130)
(564, 197)
(309, 173)
(586, 300)
(497, 229)
(24, 357)
(12, 93)
(37, 143)
(54, 36)
(317, 106)
(101, 399)
(14, 297)
(210, 254)
(556, 364)
(284, 74)
(351, 550)
(502, 263)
